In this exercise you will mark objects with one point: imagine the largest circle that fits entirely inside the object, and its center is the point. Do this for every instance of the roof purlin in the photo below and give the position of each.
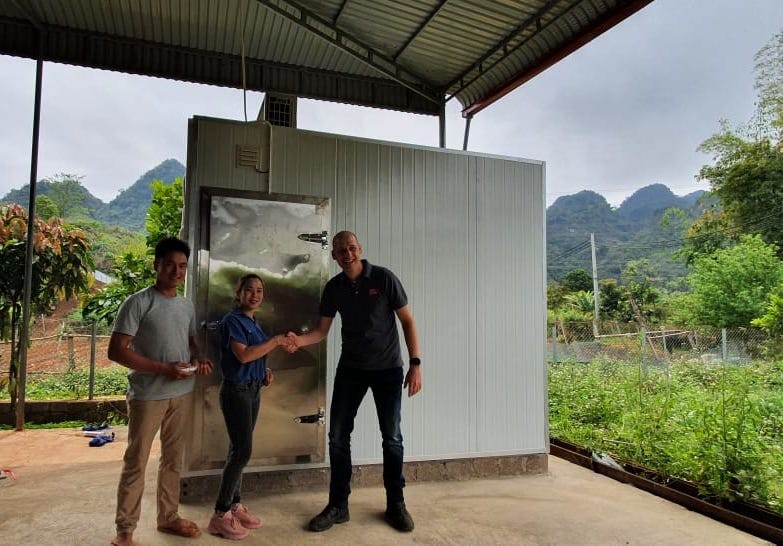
(94, 50)
(502, 44)
(378, 61)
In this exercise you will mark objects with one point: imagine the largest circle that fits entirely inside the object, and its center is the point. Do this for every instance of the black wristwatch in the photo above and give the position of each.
(415, 362)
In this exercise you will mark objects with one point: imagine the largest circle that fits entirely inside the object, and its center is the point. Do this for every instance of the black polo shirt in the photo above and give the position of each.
(366, 307)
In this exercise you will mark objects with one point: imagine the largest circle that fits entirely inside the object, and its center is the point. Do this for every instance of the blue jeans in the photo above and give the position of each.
(240, 403)
(350, 386)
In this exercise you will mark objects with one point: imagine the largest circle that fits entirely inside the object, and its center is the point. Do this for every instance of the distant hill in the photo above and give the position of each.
(43, 187)
(128, 209)
(650, 202)
(630, 232)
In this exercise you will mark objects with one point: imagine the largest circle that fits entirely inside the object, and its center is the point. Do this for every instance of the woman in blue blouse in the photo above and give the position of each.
(243, 349)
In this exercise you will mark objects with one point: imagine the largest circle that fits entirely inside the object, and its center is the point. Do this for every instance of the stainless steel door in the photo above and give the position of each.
(284, 240)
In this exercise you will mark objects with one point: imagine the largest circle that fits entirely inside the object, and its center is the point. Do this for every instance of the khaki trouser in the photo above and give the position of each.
(146, 417)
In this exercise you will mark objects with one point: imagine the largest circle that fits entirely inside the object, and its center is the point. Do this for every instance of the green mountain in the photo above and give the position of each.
(633, 231)
(128, 209)
(44, 187)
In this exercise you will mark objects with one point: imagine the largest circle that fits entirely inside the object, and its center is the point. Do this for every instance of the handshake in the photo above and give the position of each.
(289, 342)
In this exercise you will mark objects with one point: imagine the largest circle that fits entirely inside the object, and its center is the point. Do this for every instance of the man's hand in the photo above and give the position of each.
(178, 370)
(292, 342)
(203, 366)
(413, 380)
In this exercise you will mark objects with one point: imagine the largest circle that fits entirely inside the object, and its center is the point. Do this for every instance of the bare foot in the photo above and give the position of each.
(123, 539)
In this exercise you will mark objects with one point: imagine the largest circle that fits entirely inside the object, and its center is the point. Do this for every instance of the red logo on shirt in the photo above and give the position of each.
(374, 291)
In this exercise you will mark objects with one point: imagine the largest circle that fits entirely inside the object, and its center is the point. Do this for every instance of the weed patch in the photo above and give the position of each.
(717, 426)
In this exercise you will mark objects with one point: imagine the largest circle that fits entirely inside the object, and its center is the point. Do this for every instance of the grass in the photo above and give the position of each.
(74, 385)
(62, 424)
(720, 426)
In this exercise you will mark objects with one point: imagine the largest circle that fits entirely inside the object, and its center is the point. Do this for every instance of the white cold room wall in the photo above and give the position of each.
(465, 234)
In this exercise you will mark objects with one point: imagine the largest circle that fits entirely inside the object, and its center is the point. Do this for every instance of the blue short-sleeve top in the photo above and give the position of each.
(236, 325)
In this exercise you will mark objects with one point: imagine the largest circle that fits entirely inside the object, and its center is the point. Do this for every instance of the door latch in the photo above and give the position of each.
(314, 418)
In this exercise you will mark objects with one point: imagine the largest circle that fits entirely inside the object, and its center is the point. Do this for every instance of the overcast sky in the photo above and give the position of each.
(627, 110)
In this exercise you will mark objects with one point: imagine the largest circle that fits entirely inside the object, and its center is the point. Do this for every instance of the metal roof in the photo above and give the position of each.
(409, 55)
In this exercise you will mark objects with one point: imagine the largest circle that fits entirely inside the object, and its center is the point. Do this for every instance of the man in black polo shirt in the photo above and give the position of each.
(368, 298)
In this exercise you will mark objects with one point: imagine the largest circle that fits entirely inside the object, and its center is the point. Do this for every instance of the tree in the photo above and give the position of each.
(747, 177)
(45, 208)
(769, 85)
(643, 299)
(578, 280)
(61, 268)
(164, 217)
(555, 295)
(610, 300)
(747, 170)
(731, 287)
(713, 230)
(67, 193)
(582, 301)
(132, 270)
(108, 243)
(772, 322)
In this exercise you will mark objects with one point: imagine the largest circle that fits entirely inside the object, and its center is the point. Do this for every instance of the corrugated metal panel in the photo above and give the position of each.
(465, 233)
(511, 305)
(400, 54)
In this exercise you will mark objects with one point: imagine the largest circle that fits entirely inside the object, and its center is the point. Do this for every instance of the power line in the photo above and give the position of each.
(571, 251)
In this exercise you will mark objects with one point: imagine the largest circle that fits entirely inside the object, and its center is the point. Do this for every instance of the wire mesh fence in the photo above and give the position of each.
(700, 404)
(59, 346)
(660, 345)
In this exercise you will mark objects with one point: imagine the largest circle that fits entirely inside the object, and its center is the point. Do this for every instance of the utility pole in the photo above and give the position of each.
(595, 286)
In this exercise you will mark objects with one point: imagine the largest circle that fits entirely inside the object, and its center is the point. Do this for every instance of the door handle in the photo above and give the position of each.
(322, 238)
(314, 418)
(211, 326)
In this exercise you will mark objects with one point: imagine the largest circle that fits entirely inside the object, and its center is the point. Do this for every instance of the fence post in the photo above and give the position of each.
(663, 342)
(92, 361)
(71, 353)
(724, 345)
(643, 348)
(666, 358)
(554, 344)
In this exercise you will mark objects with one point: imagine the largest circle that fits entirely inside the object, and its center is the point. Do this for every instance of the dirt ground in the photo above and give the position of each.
(51, 352)
(65, 493)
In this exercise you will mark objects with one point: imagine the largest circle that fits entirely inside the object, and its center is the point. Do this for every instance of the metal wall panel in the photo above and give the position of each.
(465, 234)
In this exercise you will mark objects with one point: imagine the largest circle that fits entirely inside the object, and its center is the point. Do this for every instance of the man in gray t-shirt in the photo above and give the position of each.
(154, 336)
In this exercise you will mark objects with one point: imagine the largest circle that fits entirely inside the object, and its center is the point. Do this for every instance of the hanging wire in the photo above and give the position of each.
(244, 74)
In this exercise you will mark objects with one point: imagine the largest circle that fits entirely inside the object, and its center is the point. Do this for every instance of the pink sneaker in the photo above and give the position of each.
(248, 520)
(227, 526)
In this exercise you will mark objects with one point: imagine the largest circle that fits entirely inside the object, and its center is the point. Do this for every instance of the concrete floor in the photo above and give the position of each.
(64, 493)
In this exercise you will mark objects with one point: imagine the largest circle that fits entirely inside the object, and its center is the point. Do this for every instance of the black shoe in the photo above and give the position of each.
(328, 517)
(398, 517)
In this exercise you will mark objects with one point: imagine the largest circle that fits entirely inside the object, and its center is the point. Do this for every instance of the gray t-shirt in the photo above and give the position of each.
(161, 328)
